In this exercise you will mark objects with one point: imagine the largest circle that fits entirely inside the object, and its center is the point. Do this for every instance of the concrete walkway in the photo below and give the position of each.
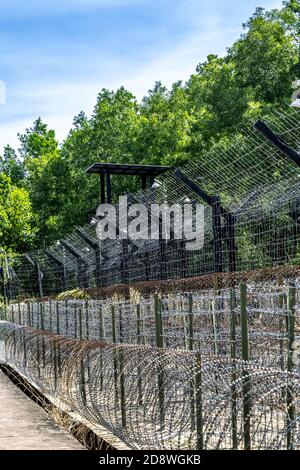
(26, 426)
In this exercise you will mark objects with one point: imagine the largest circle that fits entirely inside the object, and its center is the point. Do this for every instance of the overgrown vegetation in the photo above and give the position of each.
(44, 190)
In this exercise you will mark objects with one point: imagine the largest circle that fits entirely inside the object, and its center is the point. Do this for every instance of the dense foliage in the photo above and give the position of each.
(44, 190)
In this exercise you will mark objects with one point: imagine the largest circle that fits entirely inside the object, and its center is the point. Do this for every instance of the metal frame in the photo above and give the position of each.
(105, 170)
(81, 264)
(218, 234)
(277, 141)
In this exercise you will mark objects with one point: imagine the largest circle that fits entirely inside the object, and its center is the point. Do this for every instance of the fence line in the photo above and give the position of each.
(206, 321)
(161, 398)
(204, 369)
(251, 220)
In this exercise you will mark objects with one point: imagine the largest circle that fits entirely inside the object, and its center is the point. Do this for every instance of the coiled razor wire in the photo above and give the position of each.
(161, 398)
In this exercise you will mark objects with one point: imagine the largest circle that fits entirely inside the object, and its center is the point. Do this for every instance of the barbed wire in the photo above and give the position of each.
(208, 321)
(187, 349)
(254, 225)
(161, 398)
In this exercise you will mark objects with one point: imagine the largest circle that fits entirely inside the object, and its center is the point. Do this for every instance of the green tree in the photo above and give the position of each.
(164, 130)
(44, 178)
(109, 136)
(265, 57)
(11, 165)
(216, 102)
(167, 127)
(37, 141)
(16, 217)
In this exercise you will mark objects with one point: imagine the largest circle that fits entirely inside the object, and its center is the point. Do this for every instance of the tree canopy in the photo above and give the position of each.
(16, 217)
(45, 183)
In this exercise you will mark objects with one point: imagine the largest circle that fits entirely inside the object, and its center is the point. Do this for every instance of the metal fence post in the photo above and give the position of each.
(291, 339)
(114, 339)
(82, 374)
(101, 330)
(233, 377)
(28, 315)
(58, 332)
(43, 329)
(159, 344)
(158, 322)
(281, 323)
(57, 318)
(20, 314)
(198, 402)
(66, 318)
(138, 331)
(246, 377)
(191, 324)
(217, 234)
(121, 366)
(190, 348)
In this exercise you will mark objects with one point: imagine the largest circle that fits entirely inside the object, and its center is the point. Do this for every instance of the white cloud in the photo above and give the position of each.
(179, 62)
(57, 103)
(57, 100)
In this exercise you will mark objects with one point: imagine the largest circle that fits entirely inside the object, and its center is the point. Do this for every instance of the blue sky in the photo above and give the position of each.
(55, 56)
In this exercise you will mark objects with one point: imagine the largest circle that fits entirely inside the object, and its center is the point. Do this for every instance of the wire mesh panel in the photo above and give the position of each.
(201, 350)
(250, 191)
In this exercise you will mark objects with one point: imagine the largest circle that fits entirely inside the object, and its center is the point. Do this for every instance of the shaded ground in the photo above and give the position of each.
(25, 426)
